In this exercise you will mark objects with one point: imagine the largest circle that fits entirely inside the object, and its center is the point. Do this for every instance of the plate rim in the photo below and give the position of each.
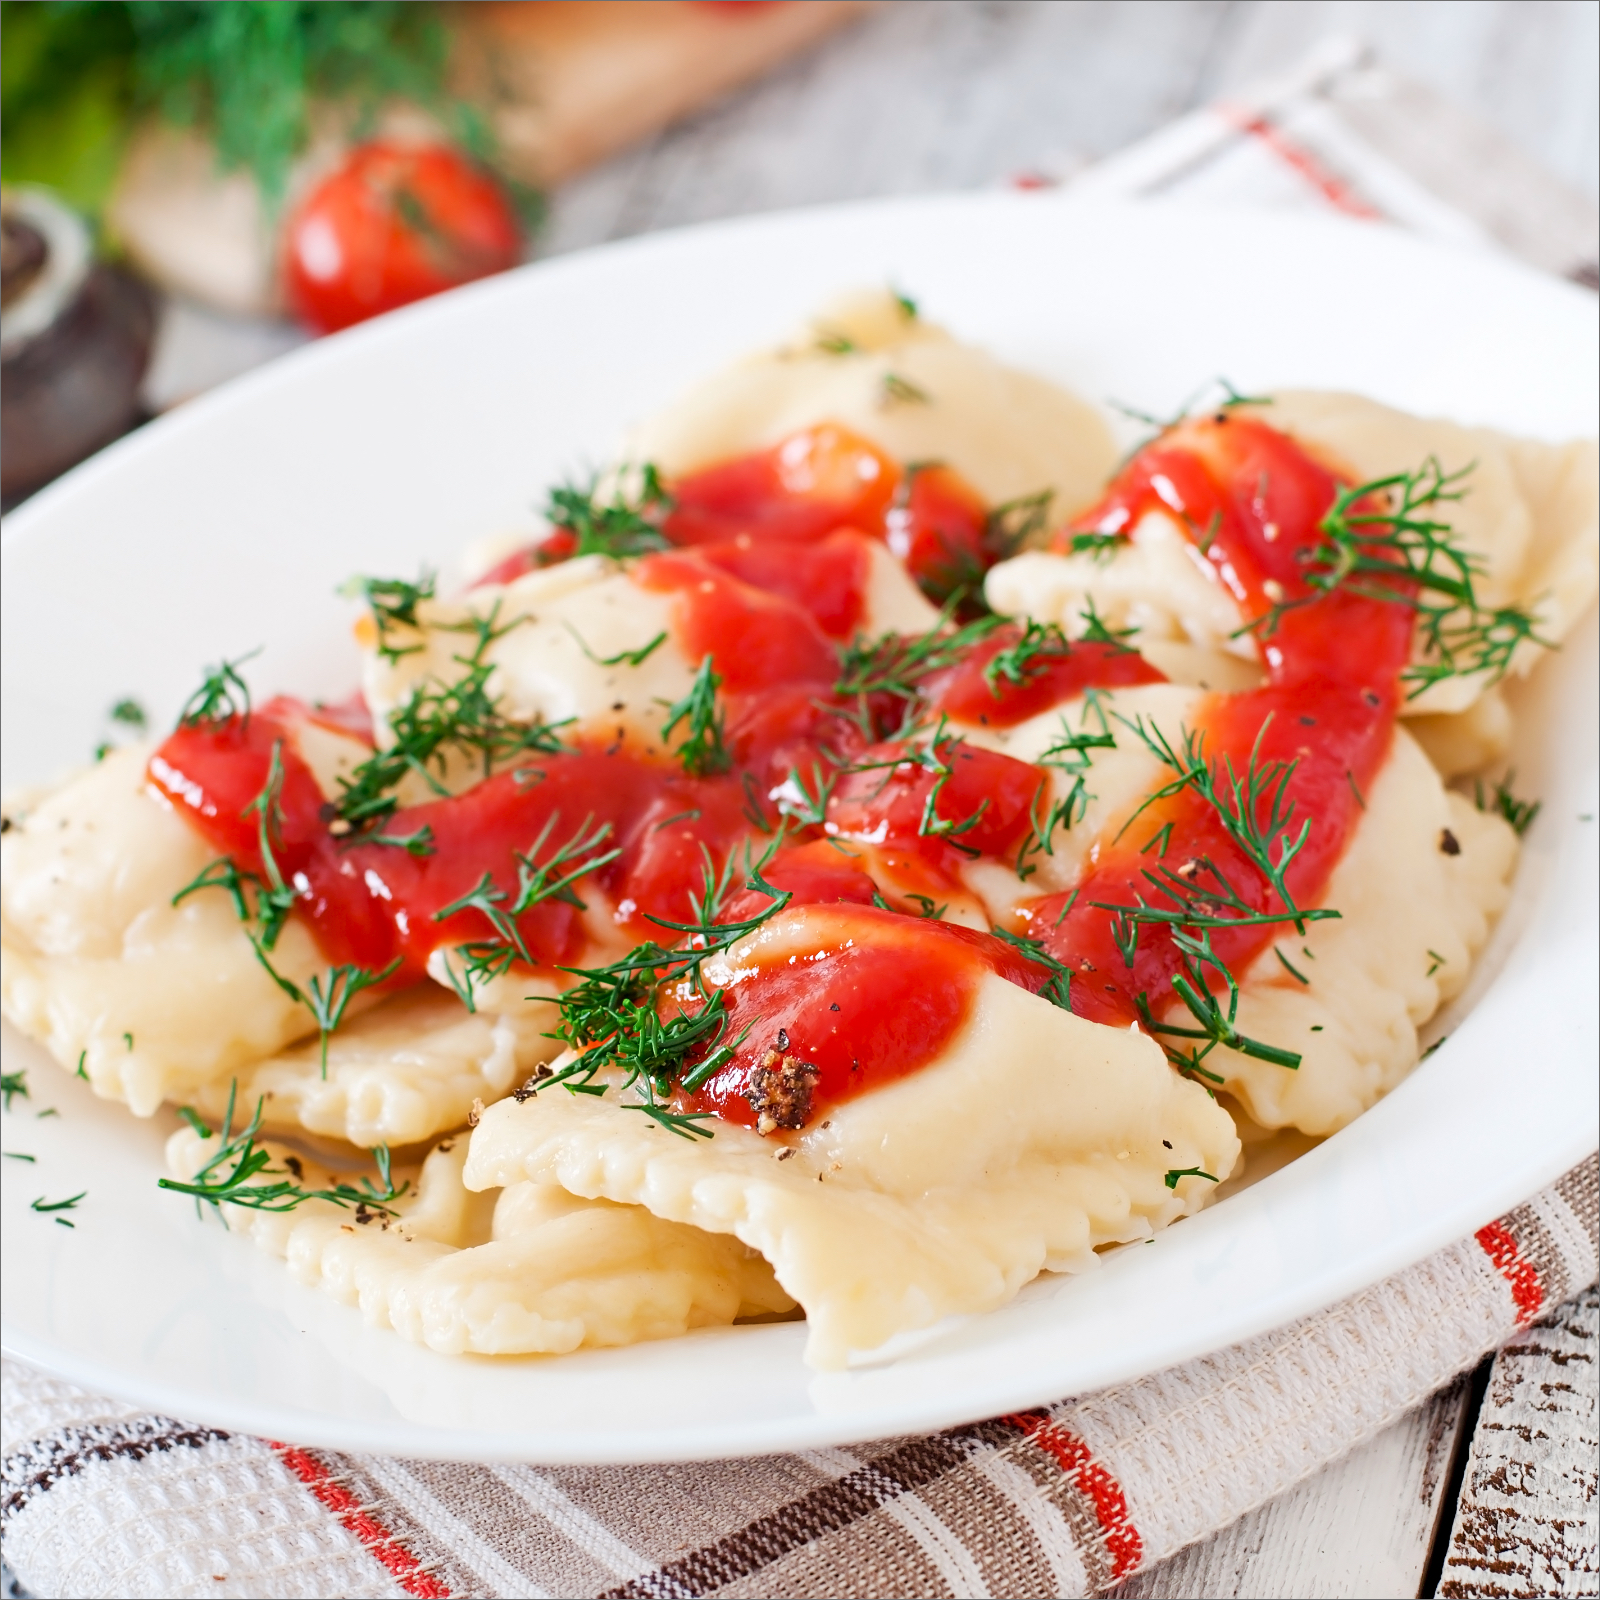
(761, 1436)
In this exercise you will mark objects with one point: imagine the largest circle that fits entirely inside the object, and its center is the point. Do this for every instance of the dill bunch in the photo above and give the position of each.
(247, 72)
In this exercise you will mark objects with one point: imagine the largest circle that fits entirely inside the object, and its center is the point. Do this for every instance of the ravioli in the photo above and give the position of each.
(1528, 516)
(1418, 889)
(528, 1270)
(579, 643)
(405, 1071)
(1033, 1139)
(905, 385)
(156, 1001)
(163, 1002)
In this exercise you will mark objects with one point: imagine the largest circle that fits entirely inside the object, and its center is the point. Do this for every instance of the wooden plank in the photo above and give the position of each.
(1363, 1526)
(1528, 1520)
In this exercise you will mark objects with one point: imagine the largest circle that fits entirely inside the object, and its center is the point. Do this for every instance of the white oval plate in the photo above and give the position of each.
(228, 525)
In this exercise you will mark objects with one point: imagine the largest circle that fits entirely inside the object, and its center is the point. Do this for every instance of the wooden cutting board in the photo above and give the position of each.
(566, 83)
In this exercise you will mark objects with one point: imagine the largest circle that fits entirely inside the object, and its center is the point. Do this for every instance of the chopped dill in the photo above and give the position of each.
(232, 1175)
(1099, 547)
(18, 1155)
(703, 751)
(437, 721)
(1058, 986)
(1189, 1172)
(615, 1016)
(420, 843)
(13, 1084)
(130, 714)
(1289, 967)
(223, 696)
(632, 658)
(48, 1207)
(626, 526)
(393, 604)
(1020, 663)
(902, 391)
(1402, 552)
(1014, 524)
(1501, 802)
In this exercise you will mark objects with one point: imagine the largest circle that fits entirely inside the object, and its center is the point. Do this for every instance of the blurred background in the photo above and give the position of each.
(194, 189)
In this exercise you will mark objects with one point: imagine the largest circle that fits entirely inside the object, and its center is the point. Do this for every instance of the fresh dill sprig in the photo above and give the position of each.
(484, 960)
(894, 666)
(13, 1084)
(1238, 800)
(420, 843)
(807, 807)
(704, 751)
(326, 995)
(1058, 986)
(52, 1208)
(624, 527)
(275, 897)
(1096, 631)
(632, 658)
(1099, 547)
(1060, 816)
(1501, 802)
(437, 721)
(613, 1016)
(1402, 552)
(1019, 664)
(232, 1175)
(223, 696)
(1216, 1023)
(896, 390)
(393, 604)
(1014, 524)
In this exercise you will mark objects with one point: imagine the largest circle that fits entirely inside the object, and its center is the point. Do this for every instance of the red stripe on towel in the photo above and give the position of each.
(1329, 185)
(379, 1542)
(1501, 1247)
(1094, 1481)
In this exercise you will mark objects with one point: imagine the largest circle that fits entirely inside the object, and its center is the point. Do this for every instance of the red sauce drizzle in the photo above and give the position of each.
(774, 577)
(867, 998)
(1329, 701)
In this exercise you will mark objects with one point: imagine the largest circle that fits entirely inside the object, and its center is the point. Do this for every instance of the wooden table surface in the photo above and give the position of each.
(1489, 1488)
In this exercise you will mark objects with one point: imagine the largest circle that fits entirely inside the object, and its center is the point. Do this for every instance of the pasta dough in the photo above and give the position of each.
(563, 638)
(1035, 1138)
(1529, 517)
(528, 1270)
(155, 1000)
(405, 1071)
(1418, 890)
(1008, 433)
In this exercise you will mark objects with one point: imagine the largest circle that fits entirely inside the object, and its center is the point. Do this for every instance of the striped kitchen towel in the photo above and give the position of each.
(101, 1499)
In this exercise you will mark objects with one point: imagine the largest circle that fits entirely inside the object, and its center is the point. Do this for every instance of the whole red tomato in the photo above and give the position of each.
(394, 224)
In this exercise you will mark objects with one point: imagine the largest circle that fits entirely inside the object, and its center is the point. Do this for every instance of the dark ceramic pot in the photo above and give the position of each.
(76, 341)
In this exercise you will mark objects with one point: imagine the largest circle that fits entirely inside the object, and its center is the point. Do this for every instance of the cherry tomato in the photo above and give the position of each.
(394, 224)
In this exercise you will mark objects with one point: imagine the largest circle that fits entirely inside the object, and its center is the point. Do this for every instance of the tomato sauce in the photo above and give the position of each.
(1252, 500)
(867, 998)
(971, 692)
(769, 582)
